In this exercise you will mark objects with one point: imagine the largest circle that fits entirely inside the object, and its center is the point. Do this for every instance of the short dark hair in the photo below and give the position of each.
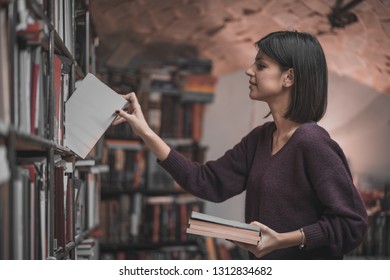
(302, 52)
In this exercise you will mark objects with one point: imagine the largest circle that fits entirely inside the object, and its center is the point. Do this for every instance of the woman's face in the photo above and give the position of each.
(266, 78)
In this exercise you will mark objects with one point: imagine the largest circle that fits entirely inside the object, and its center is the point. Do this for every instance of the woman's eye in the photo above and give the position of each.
(260, 66)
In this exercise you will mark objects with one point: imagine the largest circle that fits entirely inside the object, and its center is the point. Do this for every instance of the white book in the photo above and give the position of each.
(89, 113)
(213, 219)
(5, 172)
(5, 111)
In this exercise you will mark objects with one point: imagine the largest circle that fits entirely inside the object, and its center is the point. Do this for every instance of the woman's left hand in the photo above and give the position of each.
(269, 241)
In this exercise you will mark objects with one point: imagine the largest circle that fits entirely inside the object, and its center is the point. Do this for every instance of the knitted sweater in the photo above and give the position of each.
(307, 184)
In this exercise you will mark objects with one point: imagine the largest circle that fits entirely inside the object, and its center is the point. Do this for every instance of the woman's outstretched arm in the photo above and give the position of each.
(136, 119)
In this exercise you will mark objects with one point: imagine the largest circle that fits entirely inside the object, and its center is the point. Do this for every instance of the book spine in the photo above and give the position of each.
(224, 236)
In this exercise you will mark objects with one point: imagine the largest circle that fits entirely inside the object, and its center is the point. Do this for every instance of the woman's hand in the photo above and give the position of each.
(133, 115)
(269, 241)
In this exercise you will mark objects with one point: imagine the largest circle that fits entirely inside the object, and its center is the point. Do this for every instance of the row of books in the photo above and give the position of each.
(198, 88)
(181, 252)
(126, 161)
(60, 14)
(5, 111)
(122, 82)
(144, 215)
(30, 83)
(187, 86)
(121, 131)
(131, 166)
(376, 243)
(87, 199)
(61, 19)
(47, 204)
(27, 215)
(170, 118)
(375, 193)
(134, 218)
(26, 70)
(24, 213)
(62, 22)
(30, 108)
(167, 217)
(158, 178)
(77, 200)
(5, 204)
(120, 218)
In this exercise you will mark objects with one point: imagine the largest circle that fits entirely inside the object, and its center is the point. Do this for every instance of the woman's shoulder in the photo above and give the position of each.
(312, 129)
(312, 134)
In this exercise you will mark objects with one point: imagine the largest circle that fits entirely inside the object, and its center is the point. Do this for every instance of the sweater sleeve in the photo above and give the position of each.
(215, 180)
(343, 223)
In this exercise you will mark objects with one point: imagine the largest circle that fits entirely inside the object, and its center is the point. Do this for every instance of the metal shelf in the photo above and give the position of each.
(27, 142)
(107, 192)
(145, 245)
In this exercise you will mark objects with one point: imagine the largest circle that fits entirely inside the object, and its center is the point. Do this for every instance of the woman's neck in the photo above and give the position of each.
(285, 128)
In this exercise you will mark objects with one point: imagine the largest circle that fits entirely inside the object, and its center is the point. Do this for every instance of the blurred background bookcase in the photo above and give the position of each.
(49, 199)
(144, 212)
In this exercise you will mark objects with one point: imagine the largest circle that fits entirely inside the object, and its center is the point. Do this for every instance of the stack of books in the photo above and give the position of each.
(211, 226)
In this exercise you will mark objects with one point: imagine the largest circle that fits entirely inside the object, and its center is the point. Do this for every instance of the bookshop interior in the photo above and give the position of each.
(71, 191)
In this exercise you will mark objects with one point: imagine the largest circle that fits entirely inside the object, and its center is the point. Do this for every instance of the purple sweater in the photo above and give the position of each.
(305, 184)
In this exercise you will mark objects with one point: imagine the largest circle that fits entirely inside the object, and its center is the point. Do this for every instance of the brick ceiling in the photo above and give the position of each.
(139, 31)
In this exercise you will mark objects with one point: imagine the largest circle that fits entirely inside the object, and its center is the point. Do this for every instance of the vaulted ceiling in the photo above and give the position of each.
(356, 39)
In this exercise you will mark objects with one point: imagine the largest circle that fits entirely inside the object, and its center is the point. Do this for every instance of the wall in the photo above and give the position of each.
(229, 118)
(358, 118)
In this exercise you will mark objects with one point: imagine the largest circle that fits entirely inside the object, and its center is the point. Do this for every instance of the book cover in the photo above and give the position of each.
(221, 227)
(225, 231)
(212, 226)
(218, 220)
(89, 113)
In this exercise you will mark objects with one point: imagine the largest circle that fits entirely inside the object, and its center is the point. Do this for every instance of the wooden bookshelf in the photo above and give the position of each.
(148, 219)
(47, 206)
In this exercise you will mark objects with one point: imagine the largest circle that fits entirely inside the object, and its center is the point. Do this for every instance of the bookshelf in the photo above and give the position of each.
(48, 202)
(144, 212)
(376, 197)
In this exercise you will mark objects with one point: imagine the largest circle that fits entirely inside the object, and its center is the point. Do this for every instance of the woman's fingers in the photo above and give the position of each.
(133, 104)
(257, 224)
(123, 113)
(118, 120)
(122, 116)
(127, 95)
(131, 98)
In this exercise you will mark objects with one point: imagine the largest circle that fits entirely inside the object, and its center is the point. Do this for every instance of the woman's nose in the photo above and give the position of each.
(249, 71)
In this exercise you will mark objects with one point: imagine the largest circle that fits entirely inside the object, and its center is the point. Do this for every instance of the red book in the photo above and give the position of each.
(34, 91)
(58, 99)
(33, 32)
(59, 209)
(197, 119)
(69, 210)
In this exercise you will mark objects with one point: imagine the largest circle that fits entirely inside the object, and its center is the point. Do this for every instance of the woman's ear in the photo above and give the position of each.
(289, 78)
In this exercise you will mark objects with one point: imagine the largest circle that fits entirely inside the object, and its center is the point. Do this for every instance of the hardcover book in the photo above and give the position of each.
(89, 113)
(212, 226)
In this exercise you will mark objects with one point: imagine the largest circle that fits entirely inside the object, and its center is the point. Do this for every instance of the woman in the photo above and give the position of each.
(299, 188)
